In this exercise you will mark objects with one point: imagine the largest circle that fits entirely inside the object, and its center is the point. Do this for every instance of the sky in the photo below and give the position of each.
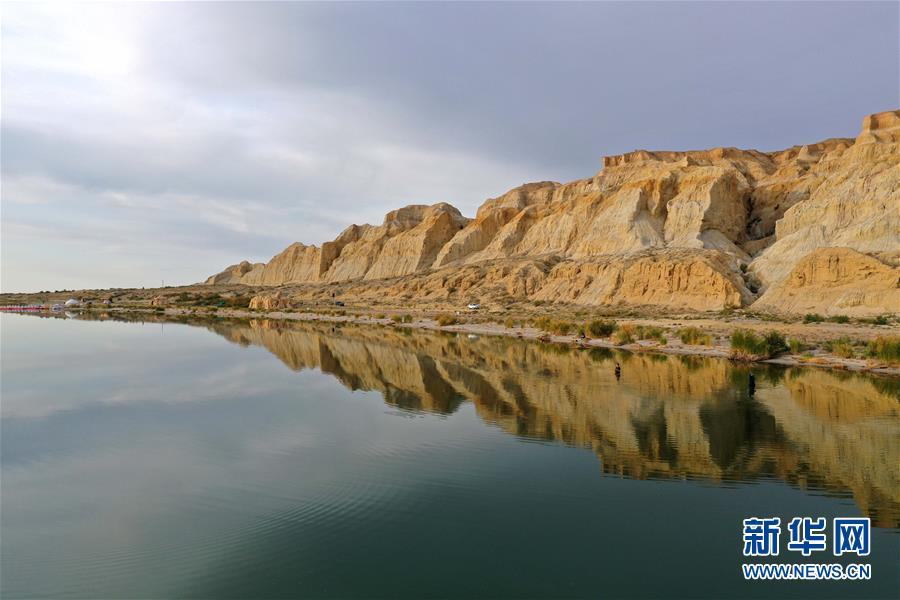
(143, 143)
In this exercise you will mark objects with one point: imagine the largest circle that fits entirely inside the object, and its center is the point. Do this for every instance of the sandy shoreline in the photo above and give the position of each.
(718, 329)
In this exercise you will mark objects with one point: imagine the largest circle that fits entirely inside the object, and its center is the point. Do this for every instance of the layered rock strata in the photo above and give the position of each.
(698, 230)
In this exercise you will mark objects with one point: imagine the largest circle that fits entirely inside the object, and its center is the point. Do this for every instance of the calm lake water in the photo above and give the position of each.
(272, 459)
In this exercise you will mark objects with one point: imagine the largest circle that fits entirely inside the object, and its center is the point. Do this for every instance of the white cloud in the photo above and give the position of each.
(195, 135)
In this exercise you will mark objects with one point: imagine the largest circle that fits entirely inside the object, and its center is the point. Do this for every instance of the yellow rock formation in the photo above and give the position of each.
(234, 273)
(699, 230)
(836, 281)
(268, 302)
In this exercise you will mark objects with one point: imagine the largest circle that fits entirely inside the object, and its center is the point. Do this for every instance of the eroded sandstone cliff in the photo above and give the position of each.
(701, 230)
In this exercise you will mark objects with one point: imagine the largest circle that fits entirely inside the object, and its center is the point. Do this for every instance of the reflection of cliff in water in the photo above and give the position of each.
(666, 416)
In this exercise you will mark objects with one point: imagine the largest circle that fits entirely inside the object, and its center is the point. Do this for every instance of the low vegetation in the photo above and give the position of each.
(657, 334)
(541, 322)
(625, 334)
(842, 347)
(596, 328)
(629, 333)
(746, 345)
(444, 320)
(694, 336)
(554, 326)
(561, 327)
(796, 346)
(601, 328)
(813, 318)
(237, 301)
(886, 348)
(879, 320)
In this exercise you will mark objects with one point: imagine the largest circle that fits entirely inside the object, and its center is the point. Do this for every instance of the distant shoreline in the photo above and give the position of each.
(427, 323)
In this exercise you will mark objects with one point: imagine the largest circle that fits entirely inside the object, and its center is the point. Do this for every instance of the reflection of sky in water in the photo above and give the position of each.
(142, 460)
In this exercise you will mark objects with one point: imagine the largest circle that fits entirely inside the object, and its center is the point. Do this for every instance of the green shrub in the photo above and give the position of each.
(625, 334)
(769, 317)
(397, 318)
(813, 318)
(746, 345)
(543, 323)
(879, 320)
(886, 348)
(652, 333)
(601, 328)
(561, 327)
(207, 300)
(796, 346)
(842, 349)
(552, 326)
(830, 345)
(694, 336)
(775, 342)
(648, 332)
(839, 319)
(380, 316)
(444, 320)
(238, 302)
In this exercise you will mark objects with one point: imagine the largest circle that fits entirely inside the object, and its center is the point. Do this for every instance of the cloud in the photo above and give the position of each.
(225, 131)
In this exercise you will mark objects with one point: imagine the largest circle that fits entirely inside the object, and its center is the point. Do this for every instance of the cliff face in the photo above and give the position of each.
(233, 273)
(835, 281)
(698, 230)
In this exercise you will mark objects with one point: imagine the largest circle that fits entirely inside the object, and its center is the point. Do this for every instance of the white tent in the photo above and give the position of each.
(72, 302)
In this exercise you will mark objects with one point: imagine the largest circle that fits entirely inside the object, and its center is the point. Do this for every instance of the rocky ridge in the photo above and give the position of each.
(811, 228)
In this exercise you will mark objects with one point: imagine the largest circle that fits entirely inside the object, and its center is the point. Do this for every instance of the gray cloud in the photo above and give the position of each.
(227, 130)
(561, 85)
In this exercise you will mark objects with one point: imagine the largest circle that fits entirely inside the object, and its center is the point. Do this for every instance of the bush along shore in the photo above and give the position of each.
(868, 345)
